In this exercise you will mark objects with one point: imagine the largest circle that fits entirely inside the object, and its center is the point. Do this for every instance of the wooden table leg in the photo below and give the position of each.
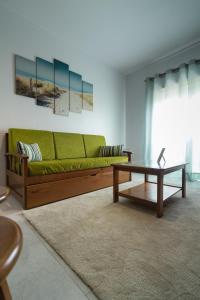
(146, 177)
(183, 183)
(4, 291)
(160, 196)
(115, 185)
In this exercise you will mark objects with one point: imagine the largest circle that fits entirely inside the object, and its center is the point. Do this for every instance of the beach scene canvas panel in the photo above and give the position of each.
(25, 77)
(45, 83)
(76, 98)
(87, 96)
(61, 77)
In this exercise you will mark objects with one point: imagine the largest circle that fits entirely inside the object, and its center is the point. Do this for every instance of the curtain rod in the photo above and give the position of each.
(173, 70)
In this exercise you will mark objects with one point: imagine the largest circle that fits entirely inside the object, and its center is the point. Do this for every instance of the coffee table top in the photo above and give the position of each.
(151, 166)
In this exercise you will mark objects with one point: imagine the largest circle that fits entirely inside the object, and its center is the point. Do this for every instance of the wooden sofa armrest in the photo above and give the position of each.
(11, 163)
(22, 156)
(129, 154)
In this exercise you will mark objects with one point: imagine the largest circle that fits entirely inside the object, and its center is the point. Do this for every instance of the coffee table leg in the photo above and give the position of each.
(160, 196)
(146, 177)
(115, 185)
(183, 183)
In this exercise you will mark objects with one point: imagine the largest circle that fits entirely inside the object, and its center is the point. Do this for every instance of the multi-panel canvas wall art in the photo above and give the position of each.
(53, 85)
(87, 96)
(61, 79)
(25, 79)
(76, 97)
(45, 83)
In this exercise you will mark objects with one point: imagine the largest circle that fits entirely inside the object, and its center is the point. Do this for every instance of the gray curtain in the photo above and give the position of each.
(172, 116)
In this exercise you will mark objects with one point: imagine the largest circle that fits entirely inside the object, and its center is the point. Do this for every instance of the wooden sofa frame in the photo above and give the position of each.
(34, 191)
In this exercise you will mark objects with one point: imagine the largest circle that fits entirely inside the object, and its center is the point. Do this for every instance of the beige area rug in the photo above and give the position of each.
(122, 251)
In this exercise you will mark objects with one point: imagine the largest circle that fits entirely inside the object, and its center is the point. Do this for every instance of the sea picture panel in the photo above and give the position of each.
(45, 83)
(87, 96)
(61, 79)
(25, 77)
(76, 98)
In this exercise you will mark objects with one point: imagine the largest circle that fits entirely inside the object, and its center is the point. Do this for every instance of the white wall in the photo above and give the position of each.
(135, 98)
(19, 36)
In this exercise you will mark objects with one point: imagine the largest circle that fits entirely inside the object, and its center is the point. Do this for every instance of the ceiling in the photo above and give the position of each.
(125, 34)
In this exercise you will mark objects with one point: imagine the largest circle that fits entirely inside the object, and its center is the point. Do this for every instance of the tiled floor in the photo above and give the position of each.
(40, 274)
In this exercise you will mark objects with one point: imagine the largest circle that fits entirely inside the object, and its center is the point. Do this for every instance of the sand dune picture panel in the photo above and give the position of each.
(61, 77)
(45, 83)
(25, 77)
(76, 98)
(87, 96)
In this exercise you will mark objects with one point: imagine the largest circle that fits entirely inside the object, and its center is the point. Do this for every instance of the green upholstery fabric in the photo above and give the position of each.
(64, 165)
(69, 145)
(93, 143)
(43, 138)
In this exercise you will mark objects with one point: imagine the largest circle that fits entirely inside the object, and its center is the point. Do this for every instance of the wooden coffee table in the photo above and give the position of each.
(150, 193)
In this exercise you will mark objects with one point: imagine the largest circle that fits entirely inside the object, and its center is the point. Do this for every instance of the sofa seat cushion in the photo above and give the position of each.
(64, 165)
(43, 138)
(69, 145)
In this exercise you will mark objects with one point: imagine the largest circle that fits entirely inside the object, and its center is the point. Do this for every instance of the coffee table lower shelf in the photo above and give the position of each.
(147, 192)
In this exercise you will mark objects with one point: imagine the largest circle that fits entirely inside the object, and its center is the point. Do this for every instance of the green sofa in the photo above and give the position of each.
(70, 166)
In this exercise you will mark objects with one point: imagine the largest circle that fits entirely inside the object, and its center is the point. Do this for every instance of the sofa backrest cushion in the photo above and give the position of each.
(43, 138)
(93, 143)
(69, 145)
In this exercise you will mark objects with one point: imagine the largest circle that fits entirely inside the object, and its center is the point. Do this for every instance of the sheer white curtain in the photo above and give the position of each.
(172, 120)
